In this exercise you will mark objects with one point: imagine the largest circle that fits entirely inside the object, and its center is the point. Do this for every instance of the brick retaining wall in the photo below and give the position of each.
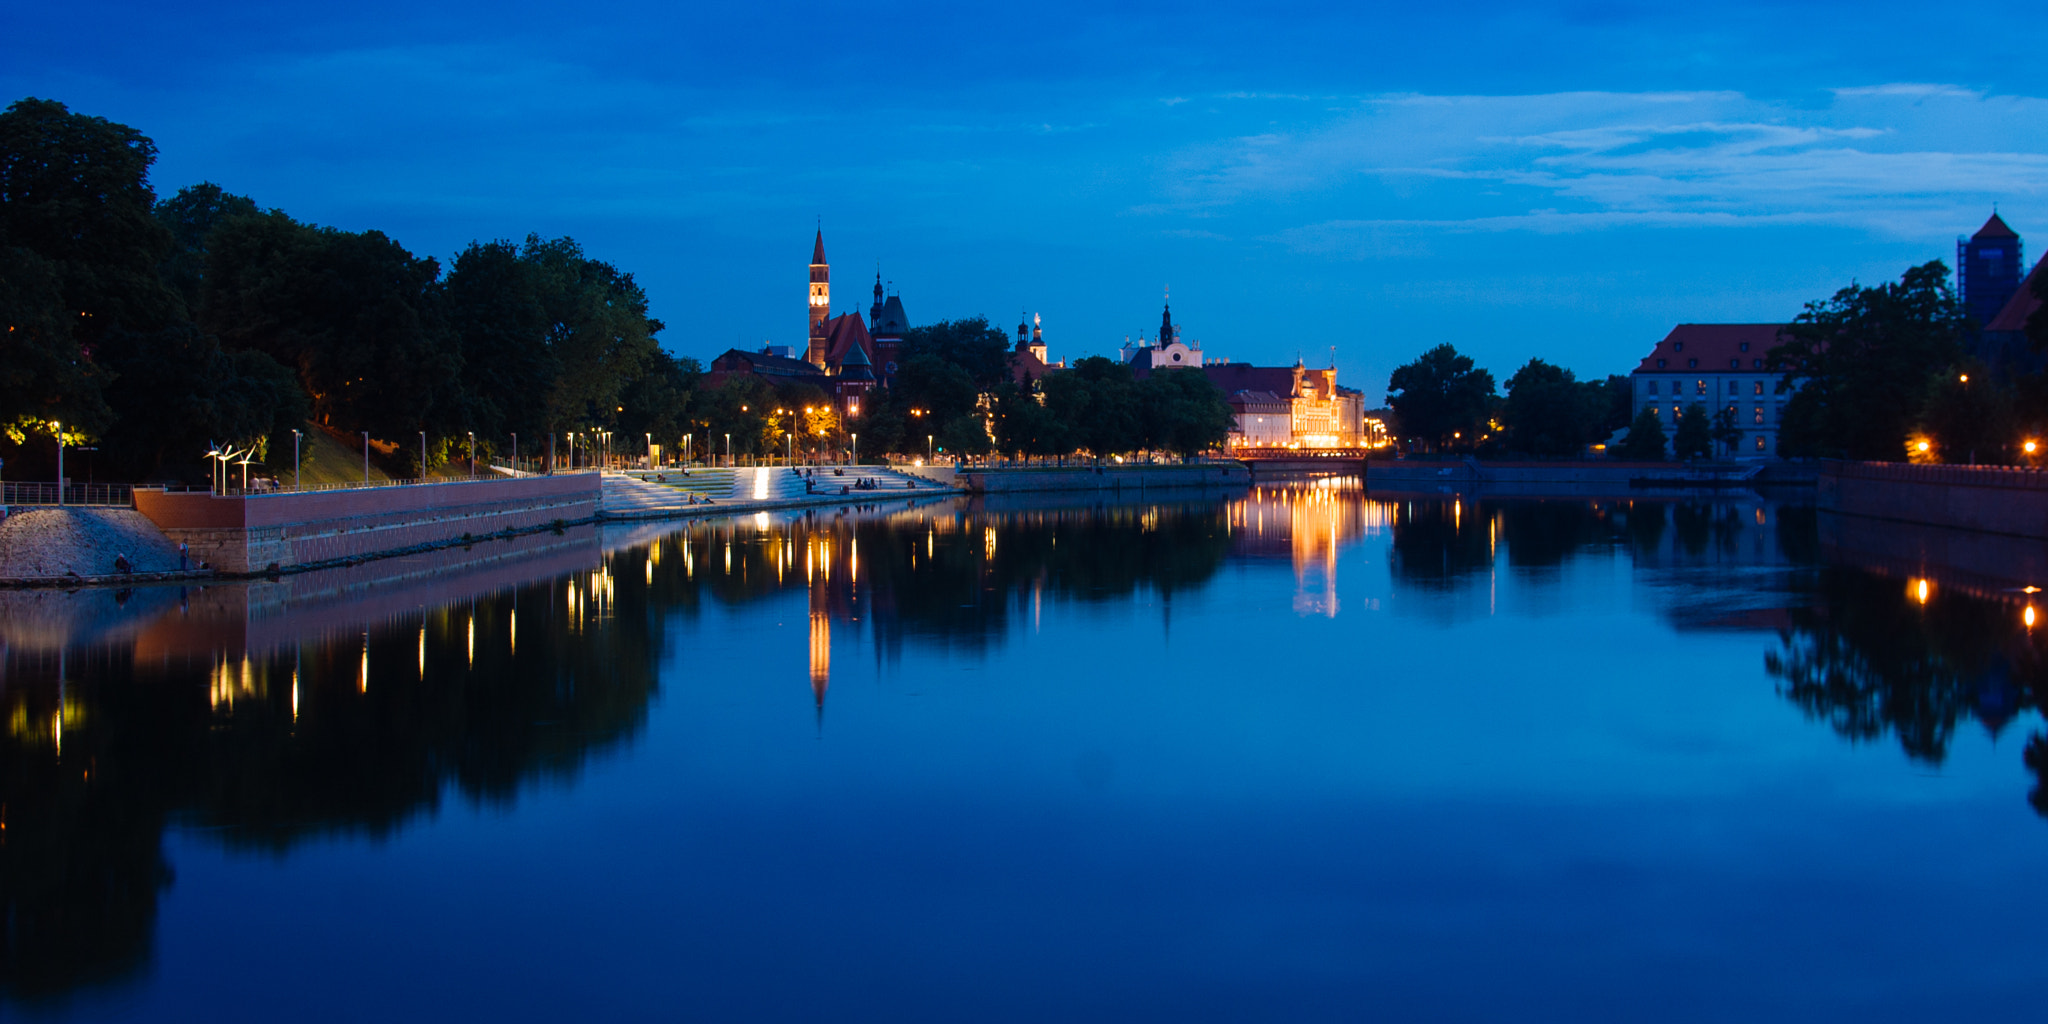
(248, 533)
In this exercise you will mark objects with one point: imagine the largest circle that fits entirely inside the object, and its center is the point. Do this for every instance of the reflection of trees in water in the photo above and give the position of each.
(347, 735)
(1869, 658)
(1437, 542)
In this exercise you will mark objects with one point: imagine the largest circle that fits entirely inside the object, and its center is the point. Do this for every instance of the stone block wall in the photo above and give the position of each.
(248, 533)
(1990, 499)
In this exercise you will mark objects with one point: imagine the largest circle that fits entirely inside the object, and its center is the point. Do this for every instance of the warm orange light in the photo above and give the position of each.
(2028, 616)
(1920, 590)
(1923, 446)
(1966, 378)
(2031, 447)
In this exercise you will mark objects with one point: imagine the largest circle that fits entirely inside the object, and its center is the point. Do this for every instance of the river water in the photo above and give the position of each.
(1302, 753)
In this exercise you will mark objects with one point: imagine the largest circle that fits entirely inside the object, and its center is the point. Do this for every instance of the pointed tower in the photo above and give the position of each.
(1038, 336)
(821, 300)
(1166, 331)
(1988, 269)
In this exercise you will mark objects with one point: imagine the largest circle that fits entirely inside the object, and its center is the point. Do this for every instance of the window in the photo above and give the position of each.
(1735, 364)
(1699, 387)
(1692, 364)
(1660, 364)
(1759, 387)
(1678, 346)
(1759, 442)
(1759, 414)
(1653, 387)
(1756, 364)
(1734, 387)
(1744, 346)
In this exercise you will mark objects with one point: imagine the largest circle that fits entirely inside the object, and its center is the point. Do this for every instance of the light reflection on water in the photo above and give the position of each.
(1266, 754)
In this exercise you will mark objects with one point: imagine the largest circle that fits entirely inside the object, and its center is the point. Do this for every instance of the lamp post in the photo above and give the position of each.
(472, 455)
(295, 460)
(789, 451)
(650, 450)
(423, 456)
(856, 448)
(366, 458)
(57, 429)
(728, 449)
(928, 449)
(515, 455)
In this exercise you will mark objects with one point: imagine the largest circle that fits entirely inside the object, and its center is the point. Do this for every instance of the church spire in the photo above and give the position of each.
(821, 299)
(1166, 322)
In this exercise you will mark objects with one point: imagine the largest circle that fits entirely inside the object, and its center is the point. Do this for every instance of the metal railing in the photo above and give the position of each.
(35, 493)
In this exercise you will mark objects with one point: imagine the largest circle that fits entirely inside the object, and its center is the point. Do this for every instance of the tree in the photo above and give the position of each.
(1645, 440)
(1549, 412)
(1095, 399)
(1968, 415)
(1858, 365)
(981, 351)
(1726, 434)
(190, 217)
(1024, 426)
(1695, 437)
(1441, 397)
(1182, 412)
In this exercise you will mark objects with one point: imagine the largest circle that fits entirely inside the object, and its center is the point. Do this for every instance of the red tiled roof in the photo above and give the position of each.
(842, 333)
(2021, 306)
(1994, 228)
(1708, 348)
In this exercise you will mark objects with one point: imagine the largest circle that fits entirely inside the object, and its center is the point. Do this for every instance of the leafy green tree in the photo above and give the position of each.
(1858, 365)
(938, 390)
(1183, 412)
(1441, 397)
(656, 402)
(1095, 398)
(980, 350)
(1969, 416)
(493, 303)
(964, 435)
(1024, 426)
(1549, 412)
(1645, 440)
(1695, 437)
(1726, 433)
(598, 331)
(190, 217)
(44, 374)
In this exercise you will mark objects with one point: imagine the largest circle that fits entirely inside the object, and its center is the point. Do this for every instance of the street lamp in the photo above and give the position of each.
(472, 455)
(57, 429)
(515, 455)
(927, 448)
(728, 449)
(423, 456)
(366, 458)
(856, 448)
(295, 460)
(650, 450)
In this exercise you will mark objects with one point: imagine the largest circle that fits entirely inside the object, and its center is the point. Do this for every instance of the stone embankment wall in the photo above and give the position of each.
(1102, 478)
(249, 533)
(1988, 499)
(45, 541)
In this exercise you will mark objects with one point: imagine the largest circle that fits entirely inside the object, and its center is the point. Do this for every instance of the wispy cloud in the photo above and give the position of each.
(1891, 158)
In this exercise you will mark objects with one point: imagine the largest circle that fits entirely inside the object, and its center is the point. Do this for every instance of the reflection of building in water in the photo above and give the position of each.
(1307, 522)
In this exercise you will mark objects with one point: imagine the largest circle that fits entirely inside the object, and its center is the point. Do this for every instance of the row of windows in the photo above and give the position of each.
(1756, 413)
(1756, 387)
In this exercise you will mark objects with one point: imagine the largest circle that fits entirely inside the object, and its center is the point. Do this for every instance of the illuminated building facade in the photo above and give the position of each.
(1719, 367)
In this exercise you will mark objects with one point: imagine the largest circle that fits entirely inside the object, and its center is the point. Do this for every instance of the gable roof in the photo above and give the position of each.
(1993, 228)
(844, 333)
(1231, 378)
(765, 364)
(2022, 304)
(1708, 348)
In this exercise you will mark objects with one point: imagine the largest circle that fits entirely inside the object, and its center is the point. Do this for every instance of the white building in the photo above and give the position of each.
(1717, 366)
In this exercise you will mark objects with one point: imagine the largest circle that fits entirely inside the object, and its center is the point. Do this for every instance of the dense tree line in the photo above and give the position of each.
(1444, 402)
(155, 327)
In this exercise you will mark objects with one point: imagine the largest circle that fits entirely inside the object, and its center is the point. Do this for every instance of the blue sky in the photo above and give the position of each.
(1564, 182)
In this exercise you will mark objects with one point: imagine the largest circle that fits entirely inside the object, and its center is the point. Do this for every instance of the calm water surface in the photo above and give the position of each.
(1303, 754)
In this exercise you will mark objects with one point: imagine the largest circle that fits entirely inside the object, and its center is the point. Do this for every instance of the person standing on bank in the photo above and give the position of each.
(181, 556)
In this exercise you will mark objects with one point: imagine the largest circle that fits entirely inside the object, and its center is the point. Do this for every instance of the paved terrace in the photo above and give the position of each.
(660, 494)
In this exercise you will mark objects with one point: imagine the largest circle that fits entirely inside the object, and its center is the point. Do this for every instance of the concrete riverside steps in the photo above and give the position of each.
(44, 541)
(643, 492)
